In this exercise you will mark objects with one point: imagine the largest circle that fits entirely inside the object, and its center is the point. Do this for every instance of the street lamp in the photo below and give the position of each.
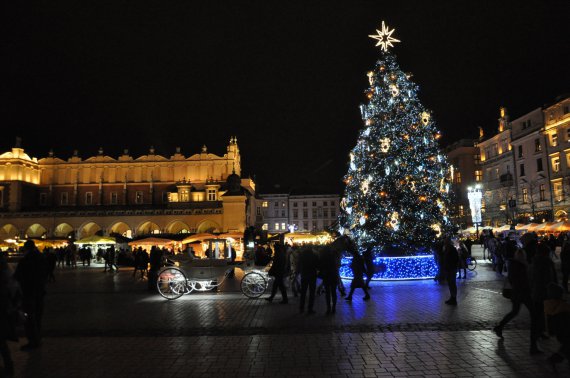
(475, 196)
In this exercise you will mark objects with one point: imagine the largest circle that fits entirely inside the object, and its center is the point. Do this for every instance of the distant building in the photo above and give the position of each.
(300, 210)
(497, 164)
(557, 136)
(53, 197)
(533, 198)
(464, 156)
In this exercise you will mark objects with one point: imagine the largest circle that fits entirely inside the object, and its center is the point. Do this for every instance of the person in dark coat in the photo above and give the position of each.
(278, 270)
(31, 274)
(368, 257)
(449, 268)
(518, 278)
(557, 313)
(308, 265)
(543, 273)
(329, 272)
(565, 262)
(156, 256)
(357, 266)
(51, 260)
(10, 301)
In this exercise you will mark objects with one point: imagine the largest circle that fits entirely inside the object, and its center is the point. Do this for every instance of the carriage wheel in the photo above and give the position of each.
(171, 283)
(471, 264)
(253, 285)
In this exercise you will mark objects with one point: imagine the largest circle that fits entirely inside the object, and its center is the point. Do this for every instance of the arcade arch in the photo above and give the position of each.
(8, 231)
(207, 226)
(121, 228)
(88, 229)
(177, 227)
(63, 230)
(36, 230)
(148, 228)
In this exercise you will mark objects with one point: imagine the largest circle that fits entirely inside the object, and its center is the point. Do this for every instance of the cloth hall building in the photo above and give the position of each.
(56, 198)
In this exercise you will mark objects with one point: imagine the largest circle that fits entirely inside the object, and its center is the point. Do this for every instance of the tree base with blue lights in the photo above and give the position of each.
(396, 268)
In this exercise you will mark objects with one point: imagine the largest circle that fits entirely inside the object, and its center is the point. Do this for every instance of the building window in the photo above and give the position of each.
(294, 204)
(556, 164)
(276, 227)
(325, 203)
(458, 177)
(89, 198)
(525, 195)
(478, 175)
(276, 204)
(304, 204)
(566, 109)
(541, 192)
(520, 149)
(164, 197)
(554, 139)
(211, 194)
(282, 213)
(333, 213)
(522, 169)
(537, 145)
(539, 165)
(283, 226)
(305, 213)
(325, 213)
(558, 194)
(264, 204)
(64, 199)
(139, 197)
(265, 227)
(314, 226)
(314, 204)
(275, 213)
(314, 213)
(305, 226)
(295, 213)
(477, 158)
(43, 199)
(258, 210)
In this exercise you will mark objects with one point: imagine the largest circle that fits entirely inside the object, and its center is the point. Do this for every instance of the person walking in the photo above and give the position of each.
(543, 273)
(156, 256)
(518, 278)
(449, 265)
(357, 266)
(308, 265)
(277, 270)
(10, 303)
(368, 257)
(557, 313)
(31, 274)
(329, 273)
(462, 259)
(565, 262)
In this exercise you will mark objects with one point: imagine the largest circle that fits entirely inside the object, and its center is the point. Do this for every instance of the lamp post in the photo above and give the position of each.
(475, 196)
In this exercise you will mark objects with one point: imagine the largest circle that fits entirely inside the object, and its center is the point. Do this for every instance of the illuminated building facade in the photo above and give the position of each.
(53, 197)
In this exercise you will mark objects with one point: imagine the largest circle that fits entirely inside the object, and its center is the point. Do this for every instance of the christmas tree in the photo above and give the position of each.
(396, 197)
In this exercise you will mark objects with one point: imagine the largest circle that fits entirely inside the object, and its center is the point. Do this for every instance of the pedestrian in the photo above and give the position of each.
(143, 262)
(368, 257)
(565, 262)
(543, 273)
(357, 266)
(463, 255)
(10, 311)
(136, 258)
(112, 259)
(449, 265)
(278, 270)
(31, 274)
(156, 256)
(557, 313)
(329, 273)
(308, 265)
(51, 261)
(520, 284)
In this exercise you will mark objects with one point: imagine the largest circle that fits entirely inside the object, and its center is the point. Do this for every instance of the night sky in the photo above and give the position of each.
(285, 77)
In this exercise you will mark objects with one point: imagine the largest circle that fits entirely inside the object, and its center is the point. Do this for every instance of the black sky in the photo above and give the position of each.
(285, 77)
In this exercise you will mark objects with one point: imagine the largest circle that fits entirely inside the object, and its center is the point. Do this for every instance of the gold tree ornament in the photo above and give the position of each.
(395, 221)
(385, 144)
(425, 118)
(394, 90)
(384, 37)
(370, 77)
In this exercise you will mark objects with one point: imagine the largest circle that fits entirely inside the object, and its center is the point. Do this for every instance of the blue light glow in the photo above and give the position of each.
(396, 268)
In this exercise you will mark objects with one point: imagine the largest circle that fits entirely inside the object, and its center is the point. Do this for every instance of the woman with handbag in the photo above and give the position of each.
(520, 294)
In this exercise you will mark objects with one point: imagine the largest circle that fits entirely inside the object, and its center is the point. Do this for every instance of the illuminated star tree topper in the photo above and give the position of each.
(384, 37)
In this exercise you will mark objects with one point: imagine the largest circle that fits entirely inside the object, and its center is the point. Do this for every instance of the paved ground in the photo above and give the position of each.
(101, 325)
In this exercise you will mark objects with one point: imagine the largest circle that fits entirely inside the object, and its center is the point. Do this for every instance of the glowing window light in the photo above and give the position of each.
(396, 268)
